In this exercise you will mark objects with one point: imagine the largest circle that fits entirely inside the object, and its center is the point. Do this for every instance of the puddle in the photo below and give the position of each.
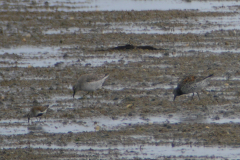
(139, 29)
(223, 21)
(217, 50)
(119, 5)
(148, 29)
(141, 151)
(81, 125)
(105, 123)
(65, 31)
(50, 56)
(31, 51)
(43, 62)
(13, 130)
(40, 56)
(200, 26)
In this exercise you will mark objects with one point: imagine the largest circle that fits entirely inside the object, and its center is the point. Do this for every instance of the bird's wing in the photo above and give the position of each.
(94, 77)
(41, 109)
(187, 80)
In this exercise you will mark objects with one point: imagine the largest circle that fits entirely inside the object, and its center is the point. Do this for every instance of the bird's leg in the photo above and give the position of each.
(92, 94)
(198, 96)
(192, 95)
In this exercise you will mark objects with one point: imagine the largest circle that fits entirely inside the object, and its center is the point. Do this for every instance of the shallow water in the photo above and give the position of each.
(13, 130)
(105, 123)
(202, 26)
(50, 56)
(31, 51)
(53, 56)
(143, 151)
(126, 5)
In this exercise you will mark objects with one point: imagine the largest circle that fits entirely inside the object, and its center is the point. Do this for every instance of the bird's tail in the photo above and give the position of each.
(209, 75)
(106, 76)
(47, 106)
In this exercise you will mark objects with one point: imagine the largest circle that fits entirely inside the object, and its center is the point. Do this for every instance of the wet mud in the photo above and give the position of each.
(46, 46)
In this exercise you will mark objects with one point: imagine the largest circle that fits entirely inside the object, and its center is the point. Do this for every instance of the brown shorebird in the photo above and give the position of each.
(36, 112)
(191, 84)
(89, 83)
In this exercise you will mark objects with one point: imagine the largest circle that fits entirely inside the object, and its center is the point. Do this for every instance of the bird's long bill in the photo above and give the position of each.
(174, 98)
(73, 93)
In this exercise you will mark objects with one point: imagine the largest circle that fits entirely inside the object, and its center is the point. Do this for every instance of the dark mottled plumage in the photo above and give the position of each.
(89, 82)
(191, 84)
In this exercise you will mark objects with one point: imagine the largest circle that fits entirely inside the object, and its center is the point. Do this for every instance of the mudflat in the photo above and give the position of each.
(47, 46)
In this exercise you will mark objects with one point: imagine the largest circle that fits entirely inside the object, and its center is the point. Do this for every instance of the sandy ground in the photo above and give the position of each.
(133, 116)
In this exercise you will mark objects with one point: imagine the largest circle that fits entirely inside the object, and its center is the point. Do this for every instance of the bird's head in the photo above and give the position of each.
(177, 92)
(74, 90)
